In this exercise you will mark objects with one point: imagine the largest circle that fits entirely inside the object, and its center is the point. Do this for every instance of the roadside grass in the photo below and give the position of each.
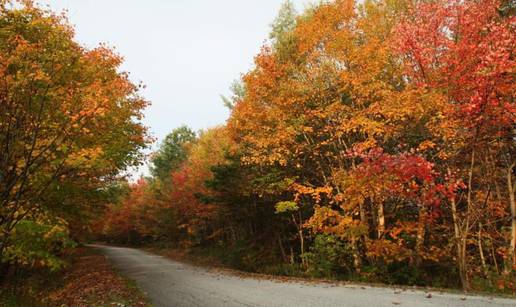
(88, 280)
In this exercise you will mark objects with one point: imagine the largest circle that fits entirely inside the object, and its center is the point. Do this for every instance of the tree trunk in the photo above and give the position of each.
(302, 245)
(356, 256)
(461, 261)
(493, 254)
(363, 217)
(512, 257)
(381, 220)
(420, 236)
(481, 251)
(299, 226)
(283, 254)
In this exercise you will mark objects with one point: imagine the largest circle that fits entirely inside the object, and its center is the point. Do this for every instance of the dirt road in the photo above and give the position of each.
(171, 283)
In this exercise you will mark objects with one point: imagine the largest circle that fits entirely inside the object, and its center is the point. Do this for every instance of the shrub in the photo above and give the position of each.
(327, 257)
(38, 244)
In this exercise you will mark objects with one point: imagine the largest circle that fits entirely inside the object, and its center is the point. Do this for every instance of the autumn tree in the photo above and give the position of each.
(461, 53)
(188, 188)
(136, 217)
(69, 120)
(177, 209)
(331, 93)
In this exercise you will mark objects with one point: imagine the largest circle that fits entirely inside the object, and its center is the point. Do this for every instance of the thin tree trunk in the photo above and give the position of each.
(481, 251)
(234, 234)
(465, 230)
(302, 243)
(512, 257)
(299, 227)
(493, 254)
(356, 257)
(461, 263)
(420, 237)
(381, 220)
(363, 218)
(283, 254)
(302, 237)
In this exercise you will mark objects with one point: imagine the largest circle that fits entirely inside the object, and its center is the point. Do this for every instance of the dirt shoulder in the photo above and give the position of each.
(89, 280)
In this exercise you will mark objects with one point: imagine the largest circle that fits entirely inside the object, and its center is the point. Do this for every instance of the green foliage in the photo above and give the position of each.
(238, 92)
(235, 256)
(281, 35)
(171, 153)
(401, 273)
(286, 206)
(507, 8)
(495, 282)
(284, 23)
(38, 244)
(327, 256)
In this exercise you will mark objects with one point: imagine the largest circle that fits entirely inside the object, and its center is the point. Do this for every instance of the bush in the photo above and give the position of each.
(496, 283)
(38, 244)
(328, 257)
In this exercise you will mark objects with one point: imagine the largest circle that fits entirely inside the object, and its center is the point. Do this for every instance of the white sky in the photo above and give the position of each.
(187, 52)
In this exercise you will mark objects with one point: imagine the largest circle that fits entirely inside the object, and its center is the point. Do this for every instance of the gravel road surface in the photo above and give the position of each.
(175, 284)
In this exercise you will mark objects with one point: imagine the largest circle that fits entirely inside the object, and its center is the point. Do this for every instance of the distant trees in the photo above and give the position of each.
(69, 124)
(170, 207)
(372, 140)
(171, 152)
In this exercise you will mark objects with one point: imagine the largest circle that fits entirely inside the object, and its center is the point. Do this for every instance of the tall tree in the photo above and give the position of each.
(461, 53)
(69, 120)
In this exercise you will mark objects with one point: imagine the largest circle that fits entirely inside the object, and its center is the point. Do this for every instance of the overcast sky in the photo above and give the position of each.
(187, 52)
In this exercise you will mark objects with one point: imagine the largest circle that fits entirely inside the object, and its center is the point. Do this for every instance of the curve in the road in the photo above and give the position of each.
(171, 283)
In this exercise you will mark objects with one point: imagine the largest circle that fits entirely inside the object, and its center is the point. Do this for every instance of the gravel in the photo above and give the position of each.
(172, 283)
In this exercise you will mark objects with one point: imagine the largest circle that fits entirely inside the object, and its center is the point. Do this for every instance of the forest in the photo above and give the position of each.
(372, 141)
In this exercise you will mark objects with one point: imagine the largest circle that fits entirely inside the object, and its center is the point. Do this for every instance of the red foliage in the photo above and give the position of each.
(407, 175)
(464, 49)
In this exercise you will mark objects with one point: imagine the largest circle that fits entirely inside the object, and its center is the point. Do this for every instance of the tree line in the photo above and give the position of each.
(371, 140)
